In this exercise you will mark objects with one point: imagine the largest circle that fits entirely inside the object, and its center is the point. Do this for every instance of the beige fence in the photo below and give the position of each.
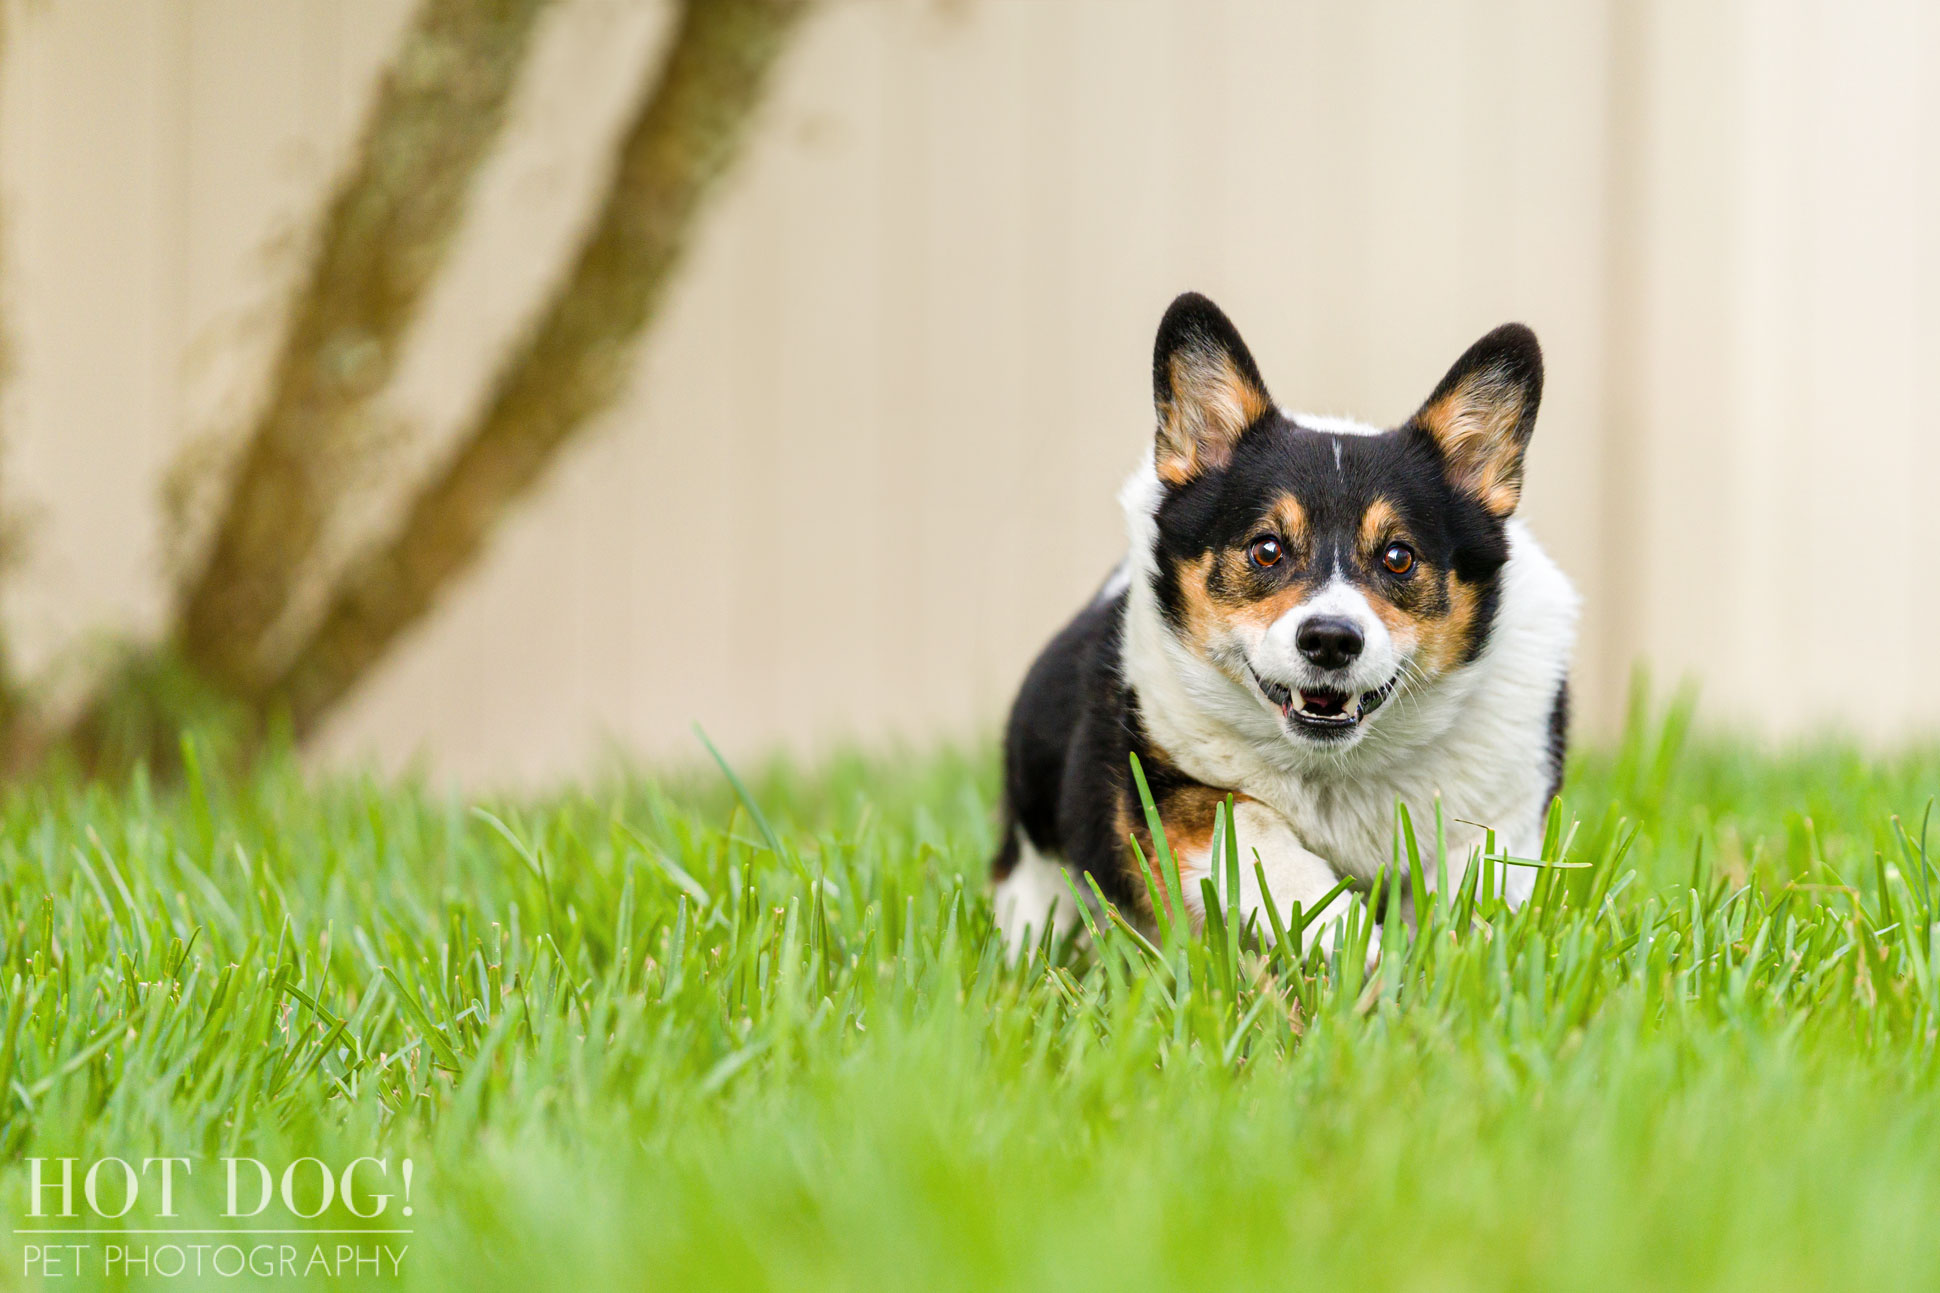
(869, 459)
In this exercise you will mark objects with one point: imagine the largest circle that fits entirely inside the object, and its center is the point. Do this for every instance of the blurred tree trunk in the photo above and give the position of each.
(438, 109)
(381, 242)
(575, 358)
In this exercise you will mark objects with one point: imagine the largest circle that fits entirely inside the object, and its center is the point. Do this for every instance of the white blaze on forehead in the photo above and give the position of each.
(1338, 597)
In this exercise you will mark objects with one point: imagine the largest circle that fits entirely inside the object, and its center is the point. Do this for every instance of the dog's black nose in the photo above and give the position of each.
(1329, 641)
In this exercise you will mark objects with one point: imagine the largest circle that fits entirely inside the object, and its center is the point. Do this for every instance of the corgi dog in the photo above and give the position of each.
(1316, 617)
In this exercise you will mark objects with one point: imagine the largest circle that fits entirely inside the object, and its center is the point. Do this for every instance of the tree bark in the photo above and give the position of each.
(573, 362)
(437, 111)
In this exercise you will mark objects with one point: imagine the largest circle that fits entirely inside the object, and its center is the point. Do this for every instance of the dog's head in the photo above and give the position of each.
(1327, 567)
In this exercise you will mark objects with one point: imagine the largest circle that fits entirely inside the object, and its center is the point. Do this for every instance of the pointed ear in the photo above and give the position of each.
(1207, 389)
(1483, 413)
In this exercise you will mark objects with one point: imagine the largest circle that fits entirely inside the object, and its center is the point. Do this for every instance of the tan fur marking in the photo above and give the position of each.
(1263, 613)
(1187, 815)
(1289, 520)
(1444, 640)
(1440, 640)
(1130, 819)
(1379, 525)
(1212, 404)
(1202, 613)
(1403, 627)
(1206, 614)
(1208, 617)
(1475, 425)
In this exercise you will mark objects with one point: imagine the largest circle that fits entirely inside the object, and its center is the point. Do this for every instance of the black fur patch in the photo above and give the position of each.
(1559, 741)
(1066, 748)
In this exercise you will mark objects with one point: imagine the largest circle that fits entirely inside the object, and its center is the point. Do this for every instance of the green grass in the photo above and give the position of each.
(640, 1037)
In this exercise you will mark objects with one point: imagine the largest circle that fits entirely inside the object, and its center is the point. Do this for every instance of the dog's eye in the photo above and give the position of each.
(1399, 558)
(1265, 551)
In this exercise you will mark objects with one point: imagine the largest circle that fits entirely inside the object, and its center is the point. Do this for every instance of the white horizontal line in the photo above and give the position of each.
(110, 1230)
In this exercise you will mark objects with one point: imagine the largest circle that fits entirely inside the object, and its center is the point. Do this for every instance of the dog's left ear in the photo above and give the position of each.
(1481, 416)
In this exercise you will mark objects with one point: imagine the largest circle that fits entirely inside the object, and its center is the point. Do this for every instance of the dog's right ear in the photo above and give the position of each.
(1207, 389)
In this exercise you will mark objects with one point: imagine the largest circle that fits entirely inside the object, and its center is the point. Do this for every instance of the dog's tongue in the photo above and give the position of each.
(1322, 703)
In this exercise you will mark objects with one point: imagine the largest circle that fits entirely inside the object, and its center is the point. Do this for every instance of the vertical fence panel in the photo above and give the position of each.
(870, 459)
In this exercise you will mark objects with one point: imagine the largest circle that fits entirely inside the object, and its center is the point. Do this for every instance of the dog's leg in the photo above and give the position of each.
(1031, 897)
(1293, 874)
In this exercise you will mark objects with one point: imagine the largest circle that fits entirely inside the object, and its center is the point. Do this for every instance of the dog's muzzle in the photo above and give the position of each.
(1324, 711)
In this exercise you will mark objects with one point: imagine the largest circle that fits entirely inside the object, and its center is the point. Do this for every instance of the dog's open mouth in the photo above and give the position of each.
(1323, 710)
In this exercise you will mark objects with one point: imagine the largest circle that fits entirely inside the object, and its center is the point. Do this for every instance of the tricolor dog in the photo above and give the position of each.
(1316, 617)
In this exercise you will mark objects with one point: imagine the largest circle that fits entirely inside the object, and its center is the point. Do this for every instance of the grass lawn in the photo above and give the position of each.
(641, 1036)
